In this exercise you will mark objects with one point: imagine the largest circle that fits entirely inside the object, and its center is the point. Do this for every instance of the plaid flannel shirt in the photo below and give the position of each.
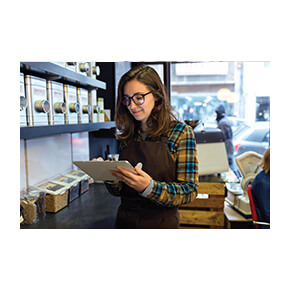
(182, 146)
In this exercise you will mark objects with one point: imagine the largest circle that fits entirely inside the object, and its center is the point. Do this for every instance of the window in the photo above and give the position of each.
(243, 88)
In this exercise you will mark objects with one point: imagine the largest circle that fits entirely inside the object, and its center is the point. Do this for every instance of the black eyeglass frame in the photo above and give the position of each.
(132, 98)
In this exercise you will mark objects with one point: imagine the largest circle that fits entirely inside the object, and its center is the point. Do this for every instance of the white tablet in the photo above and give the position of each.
(100, 170)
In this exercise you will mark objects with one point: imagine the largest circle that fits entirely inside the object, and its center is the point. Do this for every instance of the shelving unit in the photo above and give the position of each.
(60, 144)
(57, 73)
(54, 72)
(42, 131)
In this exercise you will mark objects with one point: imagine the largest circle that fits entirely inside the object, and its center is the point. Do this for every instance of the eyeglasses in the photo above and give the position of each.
(138, 99)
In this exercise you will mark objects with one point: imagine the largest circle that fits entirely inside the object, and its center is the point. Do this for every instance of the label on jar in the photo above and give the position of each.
(72, 98)
(38, 92)
(57, 94)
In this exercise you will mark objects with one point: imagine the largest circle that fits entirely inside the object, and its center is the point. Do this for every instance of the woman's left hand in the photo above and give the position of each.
(138, 181)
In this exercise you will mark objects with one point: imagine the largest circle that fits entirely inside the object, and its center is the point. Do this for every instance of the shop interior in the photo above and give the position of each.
(67, 115)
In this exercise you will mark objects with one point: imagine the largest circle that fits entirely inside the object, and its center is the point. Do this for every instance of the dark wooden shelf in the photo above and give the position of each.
(42, 131)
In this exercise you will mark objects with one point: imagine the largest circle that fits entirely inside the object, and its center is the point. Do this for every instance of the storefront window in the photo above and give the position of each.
(243, 88)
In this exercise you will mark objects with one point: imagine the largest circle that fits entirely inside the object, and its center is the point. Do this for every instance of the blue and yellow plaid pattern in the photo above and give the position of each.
(182, 146)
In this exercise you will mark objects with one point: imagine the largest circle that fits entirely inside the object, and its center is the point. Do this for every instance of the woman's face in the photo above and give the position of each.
(139, 112)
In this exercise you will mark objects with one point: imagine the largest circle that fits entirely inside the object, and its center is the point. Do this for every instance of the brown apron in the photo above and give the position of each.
(136, 211)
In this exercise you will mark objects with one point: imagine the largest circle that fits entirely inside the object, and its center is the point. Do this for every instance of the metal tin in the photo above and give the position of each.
(92, 95)
(97, 109)
(87, 109)
(74, 108)
(23, 102)
(42, 106)
(58, 107)
(97, 70)
(94, 70)
(72, 104)
(84, 104)
(83, 68)
(38, 105)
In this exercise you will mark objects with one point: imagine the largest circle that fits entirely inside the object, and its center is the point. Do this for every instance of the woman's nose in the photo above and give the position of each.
(132, 105)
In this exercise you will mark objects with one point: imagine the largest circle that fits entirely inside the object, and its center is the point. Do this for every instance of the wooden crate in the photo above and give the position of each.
(207, 211)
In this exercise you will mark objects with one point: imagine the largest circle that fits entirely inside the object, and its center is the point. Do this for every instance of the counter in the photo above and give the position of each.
(97, 209)
(94, 209)
(235, 220)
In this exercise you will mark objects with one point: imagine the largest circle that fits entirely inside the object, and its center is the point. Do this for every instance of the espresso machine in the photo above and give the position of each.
(211, 151)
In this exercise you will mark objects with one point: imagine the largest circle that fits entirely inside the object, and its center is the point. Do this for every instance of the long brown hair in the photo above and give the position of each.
(160, 118)
(265, 163)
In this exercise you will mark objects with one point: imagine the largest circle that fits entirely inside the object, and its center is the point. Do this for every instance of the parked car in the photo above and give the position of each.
(239, 125)
(255, 138)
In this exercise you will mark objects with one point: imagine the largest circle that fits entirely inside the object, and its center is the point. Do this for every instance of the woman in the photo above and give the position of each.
(261, 191)
(150, 135)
